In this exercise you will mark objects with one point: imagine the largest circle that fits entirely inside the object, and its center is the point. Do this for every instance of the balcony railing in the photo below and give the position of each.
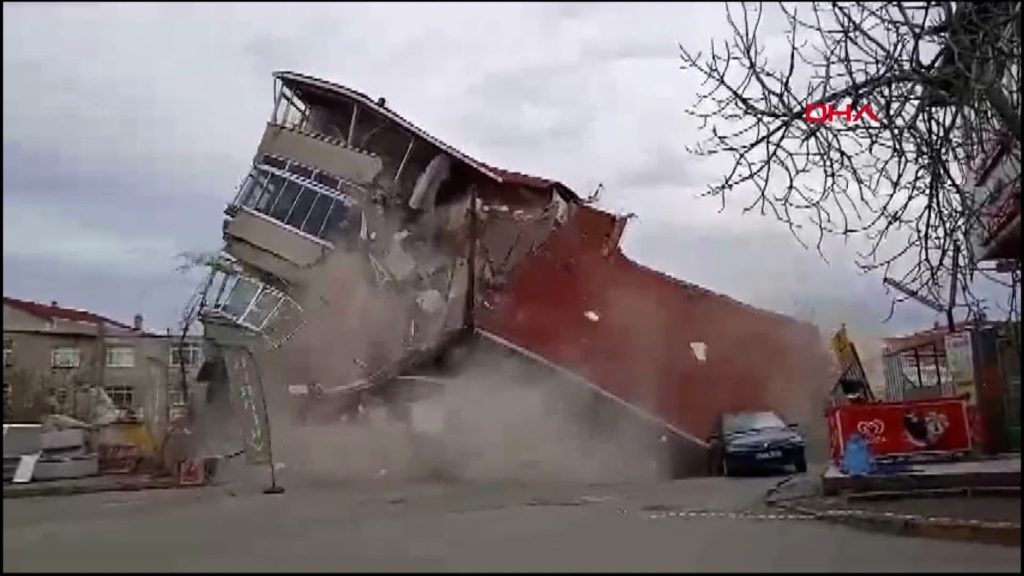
(251, 304)
(307, 200)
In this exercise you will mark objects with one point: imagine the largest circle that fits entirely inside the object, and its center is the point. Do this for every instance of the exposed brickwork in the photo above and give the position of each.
(638, 348)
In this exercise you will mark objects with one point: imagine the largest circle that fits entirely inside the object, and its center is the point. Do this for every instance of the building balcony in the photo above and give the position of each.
(320, 152)
(233, 299)
(286, 216)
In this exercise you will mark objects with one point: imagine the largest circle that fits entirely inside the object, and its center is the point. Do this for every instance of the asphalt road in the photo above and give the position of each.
(461, 527)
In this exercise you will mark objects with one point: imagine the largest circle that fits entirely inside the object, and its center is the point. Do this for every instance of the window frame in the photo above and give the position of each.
(121, 391)
(77, 363)
(263, 291)
(256, 197)
(193, 359)
(176, 397)
(112, 348)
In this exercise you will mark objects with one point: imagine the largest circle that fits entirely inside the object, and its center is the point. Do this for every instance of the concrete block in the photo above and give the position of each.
(22, 439)
(62, 439)
(75, 467)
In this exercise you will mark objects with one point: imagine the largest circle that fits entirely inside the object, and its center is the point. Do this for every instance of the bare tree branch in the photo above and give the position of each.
(943, 80)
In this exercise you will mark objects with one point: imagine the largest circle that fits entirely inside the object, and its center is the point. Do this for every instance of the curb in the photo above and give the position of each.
(970, 492)
(1001, 533)
(48, 491)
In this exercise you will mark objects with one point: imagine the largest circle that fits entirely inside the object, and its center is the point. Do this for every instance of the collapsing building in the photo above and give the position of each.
(359, 249)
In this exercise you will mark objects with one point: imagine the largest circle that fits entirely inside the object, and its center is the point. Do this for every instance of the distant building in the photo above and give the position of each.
(55, 359)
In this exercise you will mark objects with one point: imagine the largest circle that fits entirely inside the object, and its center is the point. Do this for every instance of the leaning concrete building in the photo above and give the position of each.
(361, 251)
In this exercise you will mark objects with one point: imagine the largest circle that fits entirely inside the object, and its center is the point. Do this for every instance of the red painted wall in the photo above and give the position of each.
(639, 348)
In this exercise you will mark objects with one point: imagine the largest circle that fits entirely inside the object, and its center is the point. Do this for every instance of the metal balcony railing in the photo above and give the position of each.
(309, 201)
(251, 304)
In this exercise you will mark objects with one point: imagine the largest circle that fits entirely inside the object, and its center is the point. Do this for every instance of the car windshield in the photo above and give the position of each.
(748, 421)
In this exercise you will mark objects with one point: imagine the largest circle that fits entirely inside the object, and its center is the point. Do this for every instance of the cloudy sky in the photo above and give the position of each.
(128, 126)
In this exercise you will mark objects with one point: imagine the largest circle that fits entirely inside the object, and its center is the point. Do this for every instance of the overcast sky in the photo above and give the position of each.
(128, 126)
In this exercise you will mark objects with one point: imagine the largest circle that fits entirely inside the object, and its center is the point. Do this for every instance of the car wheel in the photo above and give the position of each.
(801, 463)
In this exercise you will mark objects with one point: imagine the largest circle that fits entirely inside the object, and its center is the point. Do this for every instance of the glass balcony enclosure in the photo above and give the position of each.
(250, 303)
(291, 111)
(307, 200)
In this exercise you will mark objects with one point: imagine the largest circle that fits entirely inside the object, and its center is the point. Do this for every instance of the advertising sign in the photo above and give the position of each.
(960, 360)
(903, 428)
(245, 386)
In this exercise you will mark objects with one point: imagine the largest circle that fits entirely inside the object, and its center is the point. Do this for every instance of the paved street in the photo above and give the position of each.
(463, 527)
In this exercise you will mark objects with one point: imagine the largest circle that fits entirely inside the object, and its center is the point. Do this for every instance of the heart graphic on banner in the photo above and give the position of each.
(871, 428)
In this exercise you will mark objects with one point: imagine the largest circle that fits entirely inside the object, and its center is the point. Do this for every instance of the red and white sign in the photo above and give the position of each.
(902, 428)
(827, 113)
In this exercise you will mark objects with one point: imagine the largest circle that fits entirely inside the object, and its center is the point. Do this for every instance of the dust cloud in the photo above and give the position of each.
(491, 415)
(498, 418)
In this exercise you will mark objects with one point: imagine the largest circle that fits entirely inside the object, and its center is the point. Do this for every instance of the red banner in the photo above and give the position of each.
(902, 428)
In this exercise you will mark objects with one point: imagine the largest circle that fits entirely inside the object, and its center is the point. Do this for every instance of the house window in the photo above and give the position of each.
(120, 357)
(254, 304)
(188, 353)
(316, 204)
(261, 308)
(242, 294)
(8, 353)
(290, 112)
(121, 396)
(65, 357)
(176, 396)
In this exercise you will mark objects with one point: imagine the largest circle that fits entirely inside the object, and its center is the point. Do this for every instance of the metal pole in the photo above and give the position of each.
(401, 167)
(352, 126)
(917, 363)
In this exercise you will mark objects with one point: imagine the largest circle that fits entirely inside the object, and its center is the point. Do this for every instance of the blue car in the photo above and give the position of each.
(755, 442)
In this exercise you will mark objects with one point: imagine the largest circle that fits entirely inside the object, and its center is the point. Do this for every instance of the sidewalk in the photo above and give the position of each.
(1001, 471)
(106, 483)
(987, 511)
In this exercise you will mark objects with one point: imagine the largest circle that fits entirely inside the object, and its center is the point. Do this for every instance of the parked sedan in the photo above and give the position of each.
(755, 441)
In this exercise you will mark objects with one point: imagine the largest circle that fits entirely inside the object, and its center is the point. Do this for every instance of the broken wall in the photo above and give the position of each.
(630, 329)
(512, 223)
